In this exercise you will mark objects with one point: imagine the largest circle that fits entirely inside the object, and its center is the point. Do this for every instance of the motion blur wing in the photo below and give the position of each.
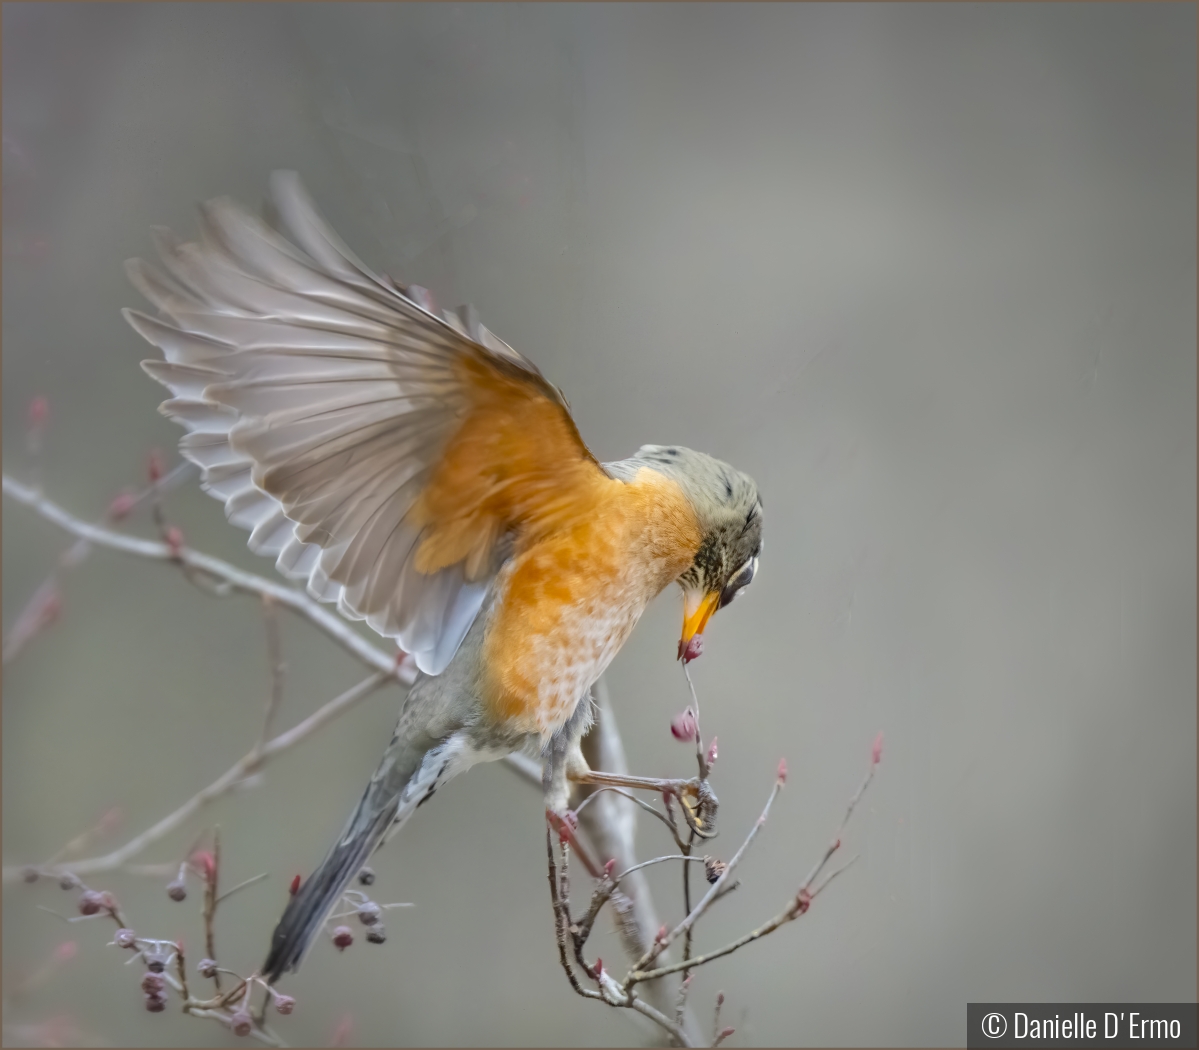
(389, 456)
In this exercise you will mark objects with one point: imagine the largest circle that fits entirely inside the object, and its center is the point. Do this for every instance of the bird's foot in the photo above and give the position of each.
(696, 799)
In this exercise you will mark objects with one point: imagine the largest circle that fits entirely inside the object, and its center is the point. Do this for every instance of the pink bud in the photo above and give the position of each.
(241, 1022)
(341, 1034)
(204, 863)
(343, 937)
(175, 541)
(720, 998)
(782, 771)
(692, 650)
(660, 937)
(66, 951)
(154, 466)
(682, 726)
(599, 968)
(122, 503)
(803, 901)
(712, 752)
(111, 820)
(876, 752)
(39, 412)
(285, 1004)
(725, 1033)
(294, 888)
(609, 867)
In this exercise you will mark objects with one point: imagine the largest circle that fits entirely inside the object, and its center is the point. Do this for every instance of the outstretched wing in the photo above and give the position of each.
(389, 456)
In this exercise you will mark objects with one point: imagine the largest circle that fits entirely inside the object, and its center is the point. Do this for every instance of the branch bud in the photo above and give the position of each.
(782, 771)
(876, 752)
(121, 506)
(241, 1022)
(125, 939)
(154, 466)
(366, 877)
(90, 902)
(39, 412)
(294, 888)
(713, 869)
(682, 726)
(609, 867)
(711, 756)
(803, 901)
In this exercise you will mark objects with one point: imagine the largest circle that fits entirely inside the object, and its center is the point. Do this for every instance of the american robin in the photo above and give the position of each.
(415, 469)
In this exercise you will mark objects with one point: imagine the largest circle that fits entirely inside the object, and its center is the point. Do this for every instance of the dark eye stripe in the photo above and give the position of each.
(741, 579)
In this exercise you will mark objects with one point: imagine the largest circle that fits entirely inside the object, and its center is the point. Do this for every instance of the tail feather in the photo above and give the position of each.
(318, 895)
(413, 766)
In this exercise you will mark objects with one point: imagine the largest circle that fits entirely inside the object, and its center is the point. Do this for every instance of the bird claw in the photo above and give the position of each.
(697, 801)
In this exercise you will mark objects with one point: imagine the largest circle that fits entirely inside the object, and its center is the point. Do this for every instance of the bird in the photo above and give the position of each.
(412, 467)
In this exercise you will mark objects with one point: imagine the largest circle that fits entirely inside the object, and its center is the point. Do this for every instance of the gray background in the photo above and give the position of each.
(927, 273)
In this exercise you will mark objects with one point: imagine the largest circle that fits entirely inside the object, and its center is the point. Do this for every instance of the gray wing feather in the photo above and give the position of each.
(317, 397)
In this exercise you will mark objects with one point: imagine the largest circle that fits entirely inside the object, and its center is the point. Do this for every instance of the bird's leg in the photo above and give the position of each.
(696, 799)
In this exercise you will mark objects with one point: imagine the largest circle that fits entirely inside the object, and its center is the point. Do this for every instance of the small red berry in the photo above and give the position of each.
(153, 983)
(125, 939)
(294, 888)
(155, 1004)
(177, 890)
(90, 902)
(284, 1004)
(343, 937)
(369, 913)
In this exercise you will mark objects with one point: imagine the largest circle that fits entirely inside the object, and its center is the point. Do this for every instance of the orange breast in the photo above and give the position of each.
(572, 598)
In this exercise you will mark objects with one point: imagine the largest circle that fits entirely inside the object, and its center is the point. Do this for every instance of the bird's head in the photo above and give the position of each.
(729, 513)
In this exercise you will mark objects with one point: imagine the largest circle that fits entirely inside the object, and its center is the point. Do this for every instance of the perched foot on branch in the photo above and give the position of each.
(695, 796)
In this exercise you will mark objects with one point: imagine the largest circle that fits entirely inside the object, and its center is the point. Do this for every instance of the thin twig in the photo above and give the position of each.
(242, 885)
(637, 974)
(237, 579)
(274, 652)
(224, 783)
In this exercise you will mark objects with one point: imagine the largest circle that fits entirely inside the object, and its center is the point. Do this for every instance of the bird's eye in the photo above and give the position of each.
(743, 577)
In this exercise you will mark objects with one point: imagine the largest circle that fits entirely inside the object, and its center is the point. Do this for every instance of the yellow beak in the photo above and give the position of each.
(697, 611)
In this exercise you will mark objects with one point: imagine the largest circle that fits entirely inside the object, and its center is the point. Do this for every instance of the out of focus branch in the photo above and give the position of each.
(244, 767)
(233, 578)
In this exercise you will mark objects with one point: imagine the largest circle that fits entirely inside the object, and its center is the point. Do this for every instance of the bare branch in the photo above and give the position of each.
(237, 579)
(223, 784)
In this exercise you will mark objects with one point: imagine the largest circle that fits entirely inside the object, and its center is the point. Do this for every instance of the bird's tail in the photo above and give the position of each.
(406, 777)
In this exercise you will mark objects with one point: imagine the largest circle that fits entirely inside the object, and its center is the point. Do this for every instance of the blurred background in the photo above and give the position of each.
(926, 272)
